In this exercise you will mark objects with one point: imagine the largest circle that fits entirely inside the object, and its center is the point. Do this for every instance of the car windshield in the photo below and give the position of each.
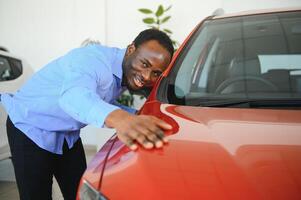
(240, 59)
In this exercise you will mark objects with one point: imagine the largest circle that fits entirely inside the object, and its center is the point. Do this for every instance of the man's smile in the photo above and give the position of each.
(138, 80)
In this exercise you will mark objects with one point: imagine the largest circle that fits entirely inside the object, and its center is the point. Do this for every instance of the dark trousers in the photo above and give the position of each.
(35, 167)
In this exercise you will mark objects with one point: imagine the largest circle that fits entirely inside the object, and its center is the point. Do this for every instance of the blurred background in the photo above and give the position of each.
(39, 31)
(42, 30)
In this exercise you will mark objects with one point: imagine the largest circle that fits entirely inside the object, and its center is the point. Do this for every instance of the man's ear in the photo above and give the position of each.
(130, 49)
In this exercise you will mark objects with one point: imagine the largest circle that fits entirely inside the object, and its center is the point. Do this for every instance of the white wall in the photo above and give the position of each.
(41, 30)
(125, 22)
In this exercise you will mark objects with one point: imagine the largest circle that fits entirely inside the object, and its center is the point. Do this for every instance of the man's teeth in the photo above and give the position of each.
(140, 84)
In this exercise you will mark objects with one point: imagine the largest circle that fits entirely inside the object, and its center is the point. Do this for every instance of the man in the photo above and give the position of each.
(77, 89)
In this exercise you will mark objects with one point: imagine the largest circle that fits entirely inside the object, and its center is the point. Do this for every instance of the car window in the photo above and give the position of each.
(249, 57)
(10, 68)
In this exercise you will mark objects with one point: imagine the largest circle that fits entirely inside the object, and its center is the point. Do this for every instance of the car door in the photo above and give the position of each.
(12, 75)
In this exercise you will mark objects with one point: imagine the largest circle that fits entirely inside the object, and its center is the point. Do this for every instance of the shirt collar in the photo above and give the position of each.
(117, 64)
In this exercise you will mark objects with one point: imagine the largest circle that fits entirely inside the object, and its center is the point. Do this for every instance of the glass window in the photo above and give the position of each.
(16, 66)
(250, 57)
(10, 68)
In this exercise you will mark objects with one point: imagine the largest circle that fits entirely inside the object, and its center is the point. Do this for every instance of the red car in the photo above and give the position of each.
(233, 96)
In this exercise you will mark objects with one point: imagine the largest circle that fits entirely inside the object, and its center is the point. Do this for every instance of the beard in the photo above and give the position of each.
(127, 74)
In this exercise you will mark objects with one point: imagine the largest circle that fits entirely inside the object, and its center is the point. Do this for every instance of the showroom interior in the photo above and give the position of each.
(38, 31)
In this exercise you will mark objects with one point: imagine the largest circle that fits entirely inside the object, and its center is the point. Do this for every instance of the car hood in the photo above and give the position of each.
(213, 153)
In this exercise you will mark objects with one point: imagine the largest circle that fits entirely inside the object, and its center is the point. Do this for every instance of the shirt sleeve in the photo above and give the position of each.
(78, 97)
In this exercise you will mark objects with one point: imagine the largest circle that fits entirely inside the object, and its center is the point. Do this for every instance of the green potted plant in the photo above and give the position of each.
(157, 18)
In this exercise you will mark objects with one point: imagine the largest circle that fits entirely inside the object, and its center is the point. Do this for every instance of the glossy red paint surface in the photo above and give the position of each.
(213, 153)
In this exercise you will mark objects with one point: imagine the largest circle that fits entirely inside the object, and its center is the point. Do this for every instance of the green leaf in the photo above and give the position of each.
(145, 10)
(167, 30)
(126, 99)
(169, 7)
(175, 44)
(149, 20)
(158, 21)
(165, 19)
(159, 11)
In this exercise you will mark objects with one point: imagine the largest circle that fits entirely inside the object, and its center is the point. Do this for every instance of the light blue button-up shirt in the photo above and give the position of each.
(72, 91)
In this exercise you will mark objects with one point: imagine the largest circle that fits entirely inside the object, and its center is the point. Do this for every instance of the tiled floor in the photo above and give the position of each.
(8, 187)
(8, 190)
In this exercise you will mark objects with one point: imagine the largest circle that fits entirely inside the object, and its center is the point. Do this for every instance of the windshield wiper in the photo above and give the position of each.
(255, 103)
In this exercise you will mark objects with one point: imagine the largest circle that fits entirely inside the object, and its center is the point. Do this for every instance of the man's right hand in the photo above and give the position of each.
(143, 129)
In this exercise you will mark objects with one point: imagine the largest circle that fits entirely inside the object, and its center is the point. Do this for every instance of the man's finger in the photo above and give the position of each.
(163, 124)
(156, 140)
(128, 141)
(154, 134)
(161, 135)
(158, 132)
(141, 139)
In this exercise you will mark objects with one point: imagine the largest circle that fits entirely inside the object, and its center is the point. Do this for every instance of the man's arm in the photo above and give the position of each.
(80, 100)
(146, 130)
(79, 97)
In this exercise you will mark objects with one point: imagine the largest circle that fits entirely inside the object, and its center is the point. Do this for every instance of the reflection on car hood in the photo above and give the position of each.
(214, 153)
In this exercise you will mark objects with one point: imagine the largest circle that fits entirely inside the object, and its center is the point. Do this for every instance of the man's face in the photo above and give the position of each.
(143, 65)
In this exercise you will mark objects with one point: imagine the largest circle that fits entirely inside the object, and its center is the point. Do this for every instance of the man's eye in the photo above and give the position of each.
(157, 74)
(144, 64)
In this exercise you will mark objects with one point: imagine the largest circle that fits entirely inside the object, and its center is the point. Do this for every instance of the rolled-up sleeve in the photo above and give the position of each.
(79, 97)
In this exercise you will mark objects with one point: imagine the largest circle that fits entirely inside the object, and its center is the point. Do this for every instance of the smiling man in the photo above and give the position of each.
(77, 89)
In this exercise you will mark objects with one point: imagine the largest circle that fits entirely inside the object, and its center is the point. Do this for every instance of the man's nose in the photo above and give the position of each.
(147, 75)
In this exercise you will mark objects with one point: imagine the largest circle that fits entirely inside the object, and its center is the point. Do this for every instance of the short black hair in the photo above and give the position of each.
(155, 34)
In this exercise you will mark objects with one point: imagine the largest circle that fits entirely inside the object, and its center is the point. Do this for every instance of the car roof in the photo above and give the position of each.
(8, 54)
(256, 12)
